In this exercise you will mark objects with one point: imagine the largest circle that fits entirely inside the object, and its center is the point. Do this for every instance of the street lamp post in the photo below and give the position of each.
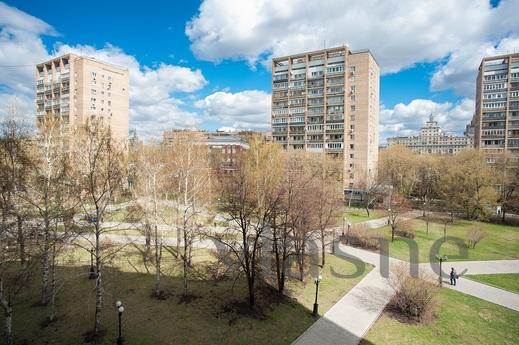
(317, 280)
(441, 259)
(120, 309)
(333, 241)
(92, 274)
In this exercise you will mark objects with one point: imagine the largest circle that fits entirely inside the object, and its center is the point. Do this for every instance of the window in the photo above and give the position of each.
(109, 78)
(352, 68)
(352, 89)
(352, 98)
(352, 107)
(335, 69)
(92, 99)
(109, 103)
(352, 147)
(93, 91)
(94, 74)
(352, 117)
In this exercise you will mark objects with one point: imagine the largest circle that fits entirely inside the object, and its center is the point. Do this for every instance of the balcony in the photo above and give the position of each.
(65, 76)
(335, 118)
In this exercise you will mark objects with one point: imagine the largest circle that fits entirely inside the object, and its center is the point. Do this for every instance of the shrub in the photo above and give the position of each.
(405, 229)
(475, 235)
(415, 297)
(362, 239)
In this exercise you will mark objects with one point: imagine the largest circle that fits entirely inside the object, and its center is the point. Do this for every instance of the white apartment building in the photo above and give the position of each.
(432, 140)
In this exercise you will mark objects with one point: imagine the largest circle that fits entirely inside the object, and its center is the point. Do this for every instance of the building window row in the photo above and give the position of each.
(494, 105)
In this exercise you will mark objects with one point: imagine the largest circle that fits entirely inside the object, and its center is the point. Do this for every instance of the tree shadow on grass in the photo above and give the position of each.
(219, 311)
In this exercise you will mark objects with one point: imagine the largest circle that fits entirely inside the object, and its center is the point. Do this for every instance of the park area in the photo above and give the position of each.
(500, 242)
(215, 309)
(461, 319)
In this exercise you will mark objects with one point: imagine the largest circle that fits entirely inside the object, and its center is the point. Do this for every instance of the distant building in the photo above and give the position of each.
(496, 120)
(76, 88)
(224, 147)
(432, 140)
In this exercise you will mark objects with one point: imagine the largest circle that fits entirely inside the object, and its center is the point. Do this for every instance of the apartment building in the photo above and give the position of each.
(432, 140)
(224, 148)
(328, 101)
(76, 88)
(496, 120)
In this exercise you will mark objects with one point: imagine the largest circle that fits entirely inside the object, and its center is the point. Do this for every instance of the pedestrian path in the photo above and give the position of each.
(346, 322)
(352, 316)
(489, 293)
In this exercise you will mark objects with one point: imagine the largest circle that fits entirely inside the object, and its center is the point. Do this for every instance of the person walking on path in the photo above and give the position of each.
(453, 276)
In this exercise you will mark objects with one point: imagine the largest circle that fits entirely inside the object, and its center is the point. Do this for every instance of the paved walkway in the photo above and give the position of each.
(346, 322)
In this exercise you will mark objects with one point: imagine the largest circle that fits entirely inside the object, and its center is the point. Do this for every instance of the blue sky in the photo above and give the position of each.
(212, 57)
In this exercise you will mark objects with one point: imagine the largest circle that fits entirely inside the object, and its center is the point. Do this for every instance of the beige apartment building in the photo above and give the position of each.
(328, 101)
(432, 140)
(76, 88)
(496, 120)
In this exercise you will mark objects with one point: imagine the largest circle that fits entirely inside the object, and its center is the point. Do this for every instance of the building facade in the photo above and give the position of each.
(224, 148)
(496, 120)
(432, 140)
(328, 101)
(77, 88)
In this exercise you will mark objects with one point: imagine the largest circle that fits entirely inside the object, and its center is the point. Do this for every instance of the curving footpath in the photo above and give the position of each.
(346, 322)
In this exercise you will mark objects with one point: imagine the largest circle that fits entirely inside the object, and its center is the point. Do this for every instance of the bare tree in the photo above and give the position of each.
(475, 235)
(326, 197)
(15, 160)
(248, 200)
(100, 161)
(13, 281)
(509, 185)
(150, 182)
(467, 184)
(374, 190)
(191, 180)
(397, 207)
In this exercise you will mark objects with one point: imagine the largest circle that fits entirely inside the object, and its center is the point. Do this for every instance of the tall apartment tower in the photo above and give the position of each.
(328, 101)
(496, 121)
(76, 88)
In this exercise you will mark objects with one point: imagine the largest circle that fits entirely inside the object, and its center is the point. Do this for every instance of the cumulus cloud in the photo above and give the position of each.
(20, 48)
(248, 109)
(400, 33)
(460, 72)
(407, 119)
(153, 104)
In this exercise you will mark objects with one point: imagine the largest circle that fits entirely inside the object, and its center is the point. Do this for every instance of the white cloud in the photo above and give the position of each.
(152, 108)
(400, 33)
(460, 72)
(407, 119)
(248, 109)
(20, 48)
(153, 105)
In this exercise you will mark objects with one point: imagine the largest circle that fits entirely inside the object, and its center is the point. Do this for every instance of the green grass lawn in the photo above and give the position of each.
(215, 316)
(462, 319)
(504, 281)
(357, 215)
(501, 242)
